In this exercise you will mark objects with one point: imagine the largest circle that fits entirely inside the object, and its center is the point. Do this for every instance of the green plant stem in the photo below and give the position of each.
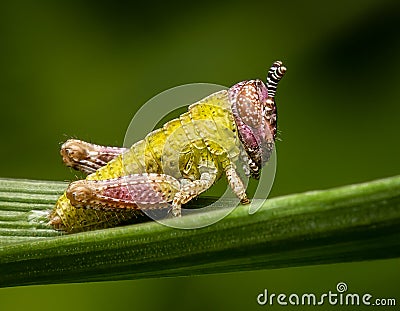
(350, 223)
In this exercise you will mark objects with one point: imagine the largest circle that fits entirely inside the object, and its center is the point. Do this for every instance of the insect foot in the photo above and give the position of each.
(176, 210)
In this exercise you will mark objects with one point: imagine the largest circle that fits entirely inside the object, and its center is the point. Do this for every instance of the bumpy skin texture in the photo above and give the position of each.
(172, 164)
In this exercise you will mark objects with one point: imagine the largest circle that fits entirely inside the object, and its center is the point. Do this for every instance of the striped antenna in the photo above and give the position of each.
(275, 74)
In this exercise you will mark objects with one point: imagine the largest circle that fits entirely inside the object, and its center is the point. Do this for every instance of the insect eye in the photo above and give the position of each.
(265, 111)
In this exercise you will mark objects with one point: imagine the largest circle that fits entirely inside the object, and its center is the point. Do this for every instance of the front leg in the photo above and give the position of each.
(236, 183)
(87, 157)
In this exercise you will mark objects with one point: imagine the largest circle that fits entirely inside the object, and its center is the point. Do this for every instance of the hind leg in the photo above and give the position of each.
(131, 192)
(87, 157)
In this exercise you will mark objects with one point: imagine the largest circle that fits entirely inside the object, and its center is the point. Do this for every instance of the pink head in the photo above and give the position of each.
(255, 114)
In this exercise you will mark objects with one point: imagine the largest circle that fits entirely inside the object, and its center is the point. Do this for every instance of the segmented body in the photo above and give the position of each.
(205, 134)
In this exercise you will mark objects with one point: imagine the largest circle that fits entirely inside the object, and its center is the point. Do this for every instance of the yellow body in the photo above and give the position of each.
(205, 136)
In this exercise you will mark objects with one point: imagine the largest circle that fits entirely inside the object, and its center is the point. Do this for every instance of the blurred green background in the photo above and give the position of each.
(82, 68)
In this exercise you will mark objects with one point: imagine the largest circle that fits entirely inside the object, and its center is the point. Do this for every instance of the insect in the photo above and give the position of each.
(175, 163)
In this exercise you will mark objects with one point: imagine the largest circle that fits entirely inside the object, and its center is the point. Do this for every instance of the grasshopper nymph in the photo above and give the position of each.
(175, 163)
